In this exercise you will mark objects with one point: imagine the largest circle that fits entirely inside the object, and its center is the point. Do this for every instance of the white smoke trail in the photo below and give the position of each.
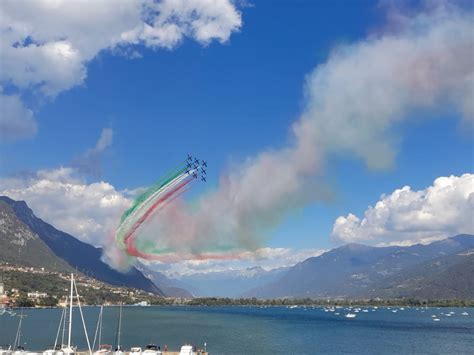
(353, 102)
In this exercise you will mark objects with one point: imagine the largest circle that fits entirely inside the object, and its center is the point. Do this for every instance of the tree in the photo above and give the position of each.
(24, 301)
(49, 301)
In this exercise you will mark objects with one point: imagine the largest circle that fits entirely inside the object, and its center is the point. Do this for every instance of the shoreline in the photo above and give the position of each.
(263, 304)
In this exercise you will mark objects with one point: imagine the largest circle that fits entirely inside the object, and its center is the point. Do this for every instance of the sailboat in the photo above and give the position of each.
(118, 348)
(69, 349)
(102, 349)
(18, 349)
(57, 348)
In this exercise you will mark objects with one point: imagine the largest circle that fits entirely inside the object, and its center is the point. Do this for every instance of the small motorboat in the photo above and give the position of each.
(104, 349)
(152, 349)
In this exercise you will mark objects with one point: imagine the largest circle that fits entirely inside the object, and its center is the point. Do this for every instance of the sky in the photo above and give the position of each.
(338, 121)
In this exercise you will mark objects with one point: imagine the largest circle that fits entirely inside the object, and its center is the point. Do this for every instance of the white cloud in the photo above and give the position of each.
(406, 217)
(46, 44)
(58, 196)
(16, 121)
(364, 89)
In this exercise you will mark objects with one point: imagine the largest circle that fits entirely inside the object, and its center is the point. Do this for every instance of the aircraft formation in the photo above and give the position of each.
(196, 168)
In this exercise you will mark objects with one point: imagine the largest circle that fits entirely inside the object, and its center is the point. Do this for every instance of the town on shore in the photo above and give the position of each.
(36, 287)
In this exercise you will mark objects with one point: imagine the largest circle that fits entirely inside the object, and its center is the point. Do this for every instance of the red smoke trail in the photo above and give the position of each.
(131, 249)
(169, 258)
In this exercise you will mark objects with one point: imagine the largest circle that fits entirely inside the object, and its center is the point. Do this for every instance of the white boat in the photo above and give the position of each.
(104, 349)
(152, 349)
(136, 350)
(351, 315)
(464, 313)
(5, 351)
(436, 319)
(186, 350)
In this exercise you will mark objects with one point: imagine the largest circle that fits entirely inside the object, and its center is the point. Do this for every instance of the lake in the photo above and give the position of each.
(254, 330)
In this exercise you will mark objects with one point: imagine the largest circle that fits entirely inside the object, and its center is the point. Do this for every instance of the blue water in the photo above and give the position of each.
(253, 330)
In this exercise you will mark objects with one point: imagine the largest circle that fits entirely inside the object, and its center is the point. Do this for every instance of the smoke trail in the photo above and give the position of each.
(353, 102)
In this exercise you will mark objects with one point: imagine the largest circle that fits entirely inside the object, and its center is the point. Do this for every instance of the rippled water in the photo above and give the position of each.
(273, 330)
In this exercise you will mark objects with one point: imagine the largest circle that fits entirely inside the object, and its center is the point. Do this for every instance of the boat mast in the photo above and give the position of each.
(98, 329)
(119, 329)
(59, 329)
(82, 318)
(70, 312)
(64, 324)
(18, 331)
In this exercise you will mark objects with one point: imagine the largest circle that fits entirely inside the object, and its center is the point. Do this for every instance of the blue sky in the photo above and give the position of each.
(225, 102)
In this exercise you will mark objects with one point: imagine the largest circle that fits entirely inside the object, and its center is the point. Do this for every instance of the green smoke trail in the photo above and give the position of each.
(172, 174)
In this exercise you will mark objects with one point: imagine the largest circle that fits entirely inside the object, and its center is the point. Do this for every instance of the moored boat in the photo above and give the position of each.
(152, 349)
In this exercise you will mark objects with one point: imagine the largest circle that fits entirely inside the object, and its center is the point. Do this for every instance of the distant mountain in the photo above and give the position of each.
(232, 283)
(78, 255)
(171, 287)
(449, 276)
(356, 270)
(20, 246)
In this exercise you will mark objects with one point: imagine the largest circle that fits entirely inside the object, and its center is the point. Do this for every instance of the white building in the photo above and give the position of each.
(37, 295)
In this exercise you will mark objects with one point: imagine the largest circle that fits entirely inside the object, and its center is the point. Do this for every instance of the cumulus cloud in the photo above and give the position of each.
(365, 89)
(407, 217)
(88, 211)
(90, 163)
(64, 198)
(16, 121)
(354, 101)
(46, 45)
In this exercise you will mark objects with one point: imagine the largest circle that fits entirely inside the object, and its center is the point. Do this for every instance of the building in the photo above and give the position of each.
(37, 295)
(3, 297)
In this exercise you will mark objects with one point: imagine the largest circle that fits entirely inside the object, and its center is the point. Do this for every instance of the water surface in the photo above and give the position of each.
(254, 330)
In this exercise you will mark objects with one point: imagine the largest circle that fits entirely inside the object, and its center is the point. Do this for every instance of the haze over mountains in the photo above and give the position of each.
(442, 269)
(231, 283)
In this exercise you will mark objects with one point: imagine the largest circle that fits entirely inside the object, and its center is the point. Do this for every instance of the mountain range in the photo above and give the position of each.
(442, 269)
(229, 283)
